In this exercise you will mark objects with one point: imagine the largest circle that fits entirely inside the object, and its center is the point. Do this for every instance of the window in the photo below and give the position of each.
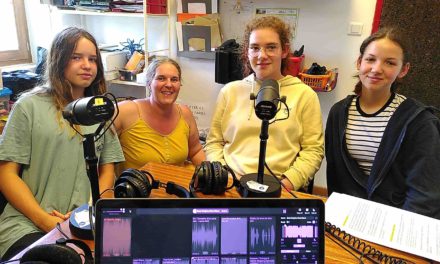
(14, 44)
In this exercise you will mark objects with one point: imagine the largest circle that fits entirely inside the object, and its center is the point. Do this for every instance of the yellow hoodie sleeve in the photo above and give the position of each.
(309, 158)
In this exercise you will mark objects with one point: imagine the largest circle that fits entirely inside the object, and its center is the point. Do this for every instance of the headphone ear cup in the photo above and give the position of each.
(218, 181)
(53, 254)
(145, 185)
(223, 178)
(209, 175)
(134, 179)
(83, 246)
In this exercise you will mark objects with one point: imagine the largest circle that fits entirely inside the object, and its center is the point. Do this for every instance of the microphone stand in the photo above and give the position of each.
(91, 165)
(253, 185)
(84, 230)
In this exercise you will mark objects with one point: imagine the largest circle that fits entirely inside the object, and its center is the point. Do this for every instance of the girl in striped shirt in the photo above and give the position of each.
(381, 145)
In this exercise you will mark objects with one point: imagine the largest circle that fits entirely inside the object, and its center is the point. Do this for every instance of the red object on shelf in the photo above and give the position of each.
(156, 6)
(294, 66)
(156, 9)
(157, 2)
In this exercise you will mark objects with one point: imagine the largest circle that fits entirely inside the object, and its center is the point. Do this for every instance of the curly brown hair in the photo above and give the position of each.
(282, 29)
(395, 36)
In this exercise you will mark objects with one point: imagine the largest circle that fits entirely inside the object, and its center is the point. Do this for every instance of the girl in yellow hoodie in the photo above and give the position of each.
(295, 145)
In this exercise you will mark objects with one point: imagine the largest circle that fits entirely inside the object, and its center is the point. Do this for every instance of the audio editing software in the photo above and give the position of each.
(210, 235)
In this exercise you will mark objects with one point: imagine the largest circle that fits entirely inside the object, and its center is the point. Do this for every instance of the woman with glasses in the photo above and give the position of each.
(295, 144)
(156, 128)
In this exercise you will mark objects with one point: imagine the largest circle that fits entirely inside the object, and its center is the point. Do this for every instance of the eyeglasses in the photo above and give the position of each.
(164, 79)
(270, 50)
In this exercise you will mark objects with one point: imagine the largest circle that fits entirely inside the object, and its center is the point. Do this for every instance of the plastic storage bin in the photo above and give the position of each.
(316, 82)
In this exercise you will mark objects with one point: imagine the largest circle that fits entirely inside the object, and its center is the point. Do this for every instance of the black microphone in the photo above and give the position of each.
(266, 102)
(88, 111)
(266, 107)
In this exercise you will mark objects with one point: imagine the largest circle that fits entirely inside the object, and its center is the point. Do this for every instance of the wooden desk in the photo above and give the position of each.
(182, 175)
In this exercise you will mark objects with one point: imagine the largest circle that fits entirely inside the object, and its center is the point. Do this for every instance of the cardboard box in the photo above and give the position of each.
(200, 33)
(114, 60)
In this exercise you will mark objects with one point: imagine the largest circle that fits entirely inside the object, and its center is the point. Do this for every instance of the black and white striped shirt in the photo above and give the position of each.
(364, 131)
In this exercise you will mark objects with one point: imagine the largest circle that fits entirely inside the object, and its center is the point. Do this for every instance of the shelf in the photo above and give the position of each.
(97, 13)
(210, 55)
(101, 13)
(127, 83)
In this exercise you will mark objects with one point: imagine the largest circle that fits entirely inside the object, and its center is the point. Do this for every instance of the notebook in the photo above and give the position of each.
(220, 231)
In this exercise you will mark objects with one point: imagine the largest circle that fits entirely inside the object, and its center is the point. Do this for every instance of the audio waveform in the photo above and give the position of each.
(233, 235)
(233, 260)
(205, 232)
(305, 231)
(262, 235)
(116, 241)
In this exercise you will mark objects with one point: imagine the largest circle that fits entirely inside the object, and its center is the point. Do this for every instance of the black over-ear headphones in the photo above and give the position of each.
(211, 178)
(58, 253)
(134, 183)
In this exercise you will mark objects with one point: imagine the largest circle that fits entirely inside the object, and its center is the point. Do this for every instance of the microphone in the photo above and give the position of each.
(266, 107)
(266, 102)
(88, 111)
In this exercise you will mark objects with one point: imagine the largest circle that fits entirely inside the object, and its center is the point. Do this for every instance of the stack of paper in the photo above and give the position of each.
(385, 225)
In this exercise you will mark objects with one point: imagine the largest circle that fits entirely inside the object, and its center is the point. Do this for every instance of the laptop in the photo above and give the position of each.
(220, 231)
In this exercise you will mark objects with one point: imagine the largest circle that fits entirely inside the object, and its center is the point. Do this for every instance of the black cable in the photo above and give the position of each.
(61, 231)
(92, 223)
(106, 190)
(112, 120)
(279, 181)
(287, 110)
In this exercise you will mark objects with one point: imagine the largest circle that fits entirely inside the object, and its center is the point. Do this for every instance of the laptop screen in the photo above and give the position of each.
(221, 231)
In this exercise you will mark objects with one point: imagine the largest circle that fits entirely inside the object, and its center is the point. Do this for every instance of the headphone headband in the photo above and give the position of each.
(134, 183)
(212, 178)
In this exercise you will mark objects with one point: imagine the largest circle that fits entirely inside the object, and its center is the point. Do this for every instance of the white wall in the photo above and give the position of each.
(322, 29)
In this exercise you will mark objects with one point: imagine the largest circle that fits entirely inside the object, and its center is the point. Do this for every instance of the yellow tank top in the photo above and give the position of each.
(142, 144)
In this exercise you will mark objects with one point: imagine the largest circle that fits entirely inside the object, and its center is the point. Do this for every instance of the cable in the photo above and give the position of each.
(61, 231)
(92, 223)
(106, 190)
(111, 121)
(279, 181)
(287, 110)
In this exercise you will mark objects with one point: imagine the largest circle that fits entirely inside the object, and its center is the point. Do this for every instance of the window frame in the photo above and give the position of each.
(22, 55)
